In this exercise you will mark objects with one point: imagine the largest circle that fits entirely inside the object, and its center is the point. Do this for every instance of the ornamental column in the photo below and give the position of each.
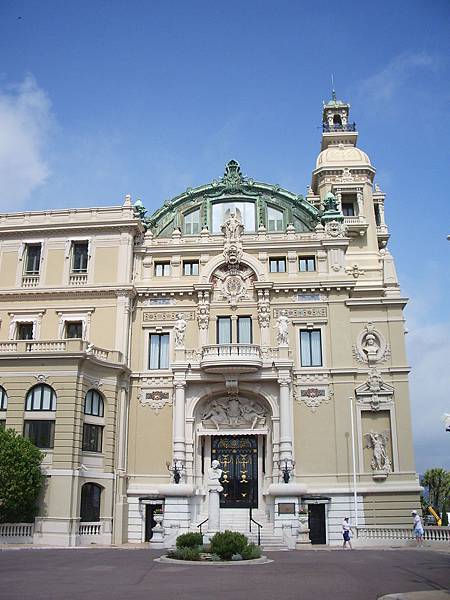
(285, 418)
(179, 439)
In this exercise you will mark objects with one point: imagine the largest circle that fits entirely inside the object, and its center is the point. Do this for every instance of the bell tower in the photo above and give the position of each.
(336, 127)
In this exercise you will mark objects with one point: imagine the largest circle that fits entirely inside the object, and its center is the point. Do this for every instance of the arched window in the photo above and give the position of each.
(3, 398)
(337, 120)
(41, 397)
(93, 422)
(90, 502)
(93, 404)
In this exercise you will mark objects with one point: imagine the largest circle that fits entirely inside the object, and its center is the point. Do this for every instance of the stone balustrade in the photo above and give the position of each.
(384, 533)
(94, 528)
(29, 281)
(16, 533)
(56, 346)
(78, 279)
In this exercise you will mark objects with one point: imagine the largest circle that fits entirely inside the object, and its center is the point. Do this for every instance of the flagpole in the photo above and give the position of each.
(355, 498)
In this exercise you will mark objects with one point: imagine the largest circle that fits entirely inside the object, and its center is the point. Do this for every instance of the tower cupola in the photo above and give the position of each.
(336, 126)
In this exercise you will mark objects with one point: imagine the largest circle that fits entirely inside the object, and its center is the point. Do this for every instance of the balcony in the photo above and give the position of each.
(336, 128)
(78, 279)
(57, 347)
(231, 358)
(356, 225)
(30, 281)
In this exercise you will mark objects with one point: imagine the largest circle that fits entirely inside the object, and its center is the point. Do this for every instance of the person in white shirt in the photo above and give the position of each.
(417, 528)
(346, 533)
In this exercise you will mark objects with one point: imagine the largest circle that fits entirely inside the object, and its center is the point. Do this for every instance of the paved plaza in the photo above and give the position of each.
(132, 574)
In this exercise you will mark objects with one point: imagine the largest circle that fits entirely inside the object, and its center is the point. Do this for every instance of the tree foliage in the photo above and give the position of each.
(437, 484)
(21, 479)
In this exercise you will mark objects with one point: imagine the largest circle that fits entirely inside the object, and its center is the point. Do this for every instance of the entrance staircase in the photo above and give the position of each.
(237, 519)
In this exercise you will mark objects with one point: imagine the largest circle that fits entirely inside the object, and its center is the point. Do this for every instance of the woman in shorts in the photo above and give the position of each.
(346, 533)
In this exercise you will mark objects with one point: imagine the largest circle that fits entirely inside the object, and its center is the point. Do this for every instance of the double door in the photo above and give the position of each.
(238, 459)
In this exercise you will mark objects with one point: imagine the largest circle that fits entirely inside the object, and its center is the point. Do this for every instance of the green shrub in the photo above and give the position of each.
(227, 543)
(185, 553)
(189, 540)
(236, 557)
(251, 551)
(214, 558)
(21, 478)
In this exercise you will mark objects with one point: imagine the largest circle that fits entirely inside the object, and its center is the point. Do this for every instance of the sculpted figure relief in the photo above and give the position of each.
(234, 412)
(371, 348)
(378, 442)
(283, 329)
(180, 330)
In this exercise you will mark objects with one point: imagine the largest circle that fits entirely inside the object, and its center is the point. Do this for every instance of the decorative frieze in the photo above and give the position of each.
(302, 313)
(149, 317)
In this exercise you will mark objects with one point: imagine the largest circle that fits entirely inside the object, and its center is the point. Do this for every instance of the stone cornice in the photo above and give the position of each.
(81, 291)
(401, 302)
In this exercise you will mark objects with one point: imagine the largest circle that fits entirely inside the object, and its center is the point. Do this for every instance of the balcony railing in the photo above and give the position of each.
(29, 281)
(78, 279)
(337, 127)
(16, 530)
(57, 346)
(232, 357)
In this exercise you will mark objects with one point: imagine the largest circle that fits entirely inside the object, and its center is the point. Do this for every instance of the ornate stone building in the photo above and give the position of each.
(240, 322)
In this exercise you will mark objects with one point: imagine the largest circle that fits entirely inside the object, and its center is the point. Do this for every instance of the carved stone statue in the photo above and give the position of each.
(283, 329)
(233, 228)
(214, 475)
(180, 330)
(378, 442)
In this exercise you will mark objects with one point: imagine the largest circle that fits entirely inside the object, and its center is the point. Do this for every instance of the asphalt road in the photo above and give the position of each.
(128, 574)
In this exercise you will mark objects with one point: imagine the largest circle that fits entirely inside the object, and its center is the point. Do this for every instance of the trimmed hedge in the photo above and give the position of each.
(189, 540)
(227, 543)
(184, 553)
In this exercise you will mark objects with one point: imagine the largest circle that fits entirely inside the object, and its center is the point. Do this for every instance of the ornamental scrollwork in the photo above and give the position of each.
(155, 399)
(313, 396)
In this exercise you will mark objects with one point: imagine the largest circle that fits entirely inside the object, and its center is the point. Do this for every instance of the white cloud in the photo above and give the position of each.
(25, 121)
(385, 84)
(429, 353)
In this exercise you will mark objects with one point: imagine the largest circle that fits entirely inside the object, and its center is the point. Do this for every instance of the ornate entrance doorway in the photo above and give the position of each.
(238, 457)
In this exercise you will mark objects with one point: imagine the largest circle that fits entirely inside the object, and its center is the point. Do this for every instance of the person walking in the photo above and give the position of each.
(346, 533)
(417, 528)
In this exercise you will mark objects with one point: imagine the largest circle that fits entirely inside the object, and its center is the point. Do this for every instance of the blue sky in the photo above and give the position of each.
(99, 99)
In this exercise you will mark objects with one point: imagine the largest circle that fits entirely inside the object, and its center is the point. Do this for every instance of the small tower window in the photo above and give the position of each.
(337, 120)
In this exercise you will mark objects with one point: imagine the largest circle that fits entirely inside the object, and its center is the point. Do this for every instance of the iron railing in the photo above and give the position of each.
(326, 128)
(199, 526)
(252, 520)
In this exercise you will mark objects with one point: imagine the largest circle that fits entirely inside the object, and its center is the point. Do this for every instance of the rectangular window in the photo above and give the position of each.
(274, 219)
(190, 267)
(311, 348)
(24, 331)
(224, 330)
(41, 433)
(245, 330)
(307, 263)
(74, 329)
(192, 222)
(348, 209)
(80, 257)
(277, 265)
(159, 351)
(92, 437)
(33, 259)
(377, 214)
(162, 269)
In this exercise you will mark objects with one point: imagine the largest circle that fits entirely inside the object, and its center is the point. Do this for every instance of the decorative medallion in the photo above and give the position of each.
(313, 397)
(155, 399)
(371, 347)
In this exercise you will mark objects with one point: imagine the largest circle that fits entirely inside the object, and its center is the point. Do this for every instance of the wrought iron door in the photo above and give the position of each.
(238, 458)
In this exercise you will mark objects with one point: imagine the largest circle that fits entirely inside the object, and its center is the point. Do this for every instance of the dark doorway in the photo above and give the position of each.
(149, 520)
(238, 458)
(316, 523)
